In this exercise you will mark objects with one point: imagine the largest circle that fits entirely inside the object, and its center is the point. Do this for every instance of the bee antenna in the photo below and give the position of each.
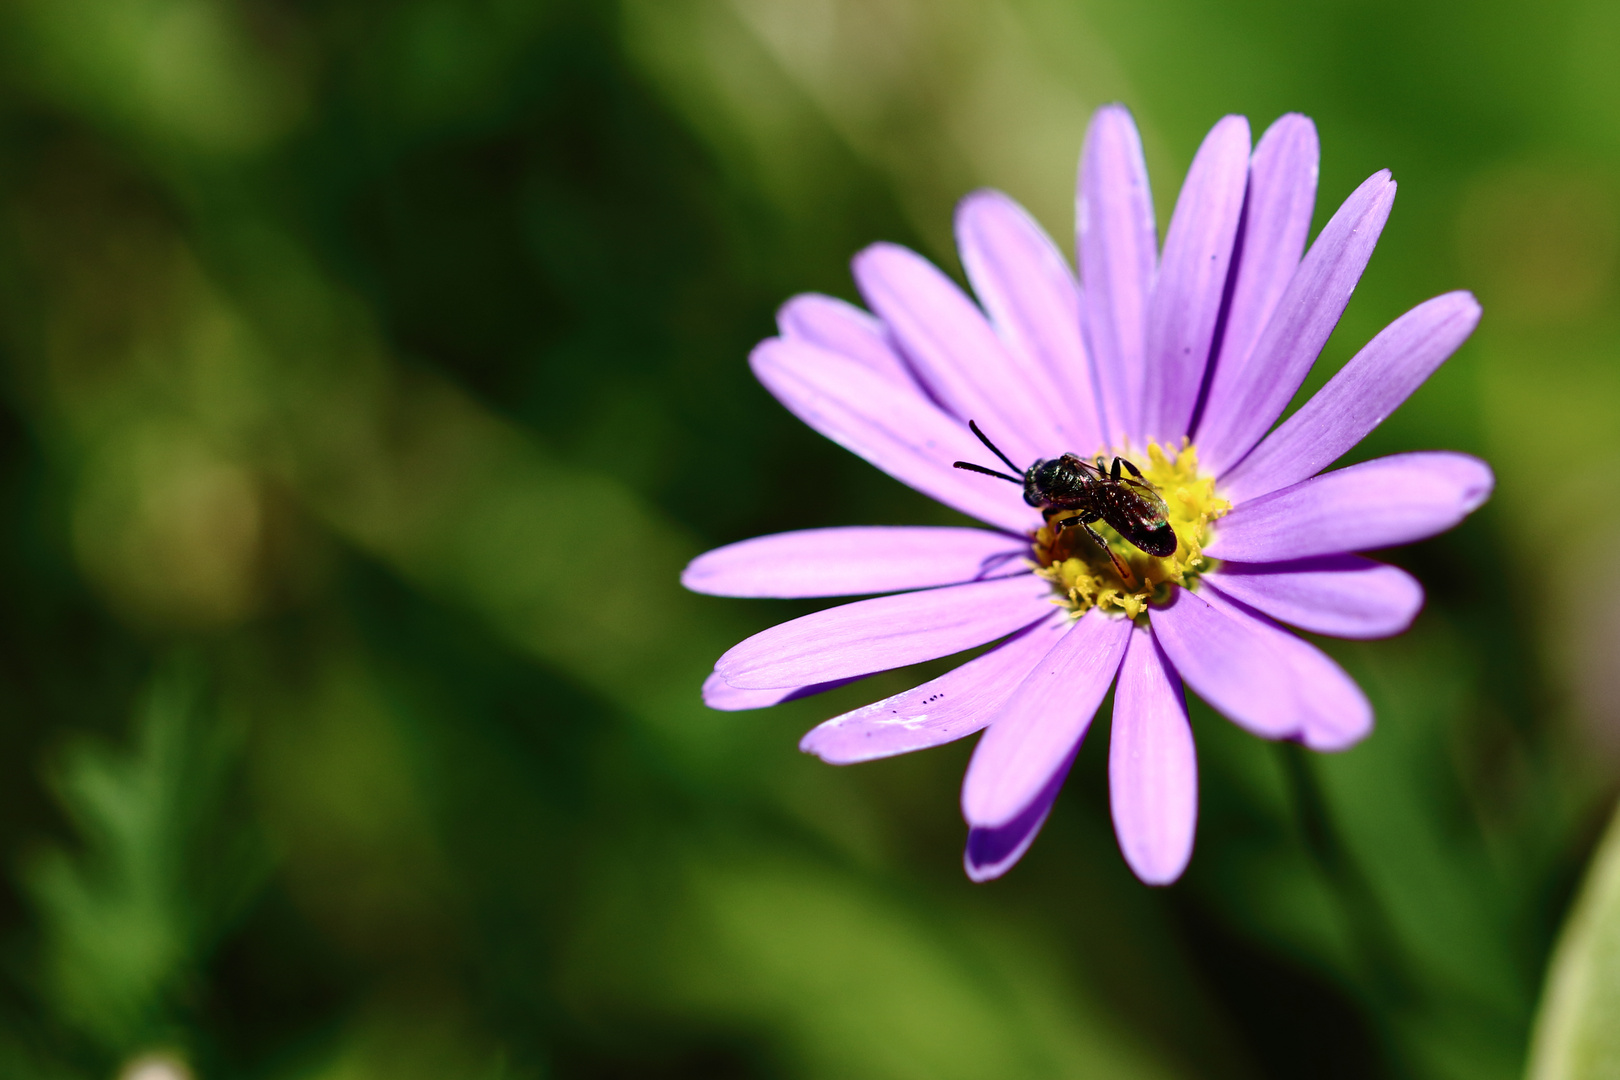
(988, 472)
(975, 429)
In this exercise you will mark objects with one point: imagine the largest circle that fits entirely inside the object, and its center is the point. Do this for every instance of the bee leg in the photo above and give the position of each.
(1132, 469)
(1114, 473)
(1119, 564)
(1062, 525)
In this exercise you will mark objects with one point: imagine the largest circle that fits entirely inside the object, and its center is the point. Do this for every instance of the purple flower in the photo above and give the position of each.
(1179, 361)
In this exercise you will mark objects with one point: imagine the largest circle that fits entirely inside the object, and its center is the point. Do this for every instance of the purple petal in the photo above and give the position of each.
(1334, 713)
(1356, 400)
(1033, 300)
(892, 426)
(1340, 595)
(956, 704)
(1152, 770)
(991, 852)
(1192, 280)
(885, 632)
(839, 327)
(1276, 220)
(1245, 399)
(1118, 253)
(1037, 730)
(854, 561)
(1228, 660)
(1376, 504)
(719, 694)
(954, 352)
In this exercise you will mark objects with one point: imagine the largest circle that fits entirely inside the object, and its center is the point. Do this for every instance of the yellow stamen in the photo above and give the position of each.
(1084, 576)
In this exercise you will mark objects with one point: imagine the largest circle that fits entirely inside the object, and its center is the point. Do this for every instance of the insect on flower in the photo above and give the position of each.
(1089, 493)
(1147, 384)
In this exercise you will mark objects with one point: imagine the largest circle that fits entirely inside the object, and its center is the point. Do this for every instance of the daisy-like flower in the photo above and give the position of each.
(1178, 362)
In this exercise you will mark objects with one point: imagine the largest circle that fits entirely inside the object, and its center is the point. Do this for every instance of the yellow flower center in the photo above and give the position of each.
(1085, 577)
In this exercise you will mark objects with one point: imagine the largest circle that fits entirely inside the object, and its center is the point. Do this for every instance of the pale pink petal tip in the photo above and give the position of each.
(1344, 596)
(842, 328)
(892, 423)
(1041, 724)
(1358, 398)
(885, 632)
(1191, 282)
(952, 348)
(1381, 503)
(1118, 243)
(991, 852)
(958, 703)
(855, 561)
(1031, 296)
(1152, 769)
(1246, 399)
(721, 695)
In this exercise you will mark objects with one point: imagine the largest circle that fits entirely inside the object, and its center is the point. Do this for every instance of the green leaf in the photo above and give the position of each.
(129, 916)
(1578, 1031)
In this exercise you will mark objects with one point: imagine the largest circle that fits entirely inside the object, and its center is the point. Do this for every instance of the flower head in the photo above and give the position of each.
(1177, 363)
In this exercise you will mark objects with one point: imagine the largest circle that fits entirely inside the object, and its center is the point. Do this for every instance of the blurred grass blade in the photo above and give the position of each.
(1578, 1031)
(129, 915)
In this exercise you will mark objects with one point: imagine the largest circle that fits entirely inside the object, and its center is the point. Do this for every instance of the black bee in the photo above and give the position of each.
(1088, 493)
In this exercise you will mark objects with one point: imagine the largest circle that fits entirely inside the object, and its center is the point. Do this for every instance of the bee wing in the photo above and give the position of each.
(1082, 463)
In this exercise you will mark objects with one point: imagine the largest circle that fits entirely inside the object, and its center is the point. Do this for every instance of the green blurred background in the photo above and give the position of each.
(371, 368)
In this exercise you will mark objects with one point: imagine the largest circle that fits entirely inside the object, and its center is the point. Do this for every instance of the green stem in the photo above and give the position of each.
(1371, 931)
